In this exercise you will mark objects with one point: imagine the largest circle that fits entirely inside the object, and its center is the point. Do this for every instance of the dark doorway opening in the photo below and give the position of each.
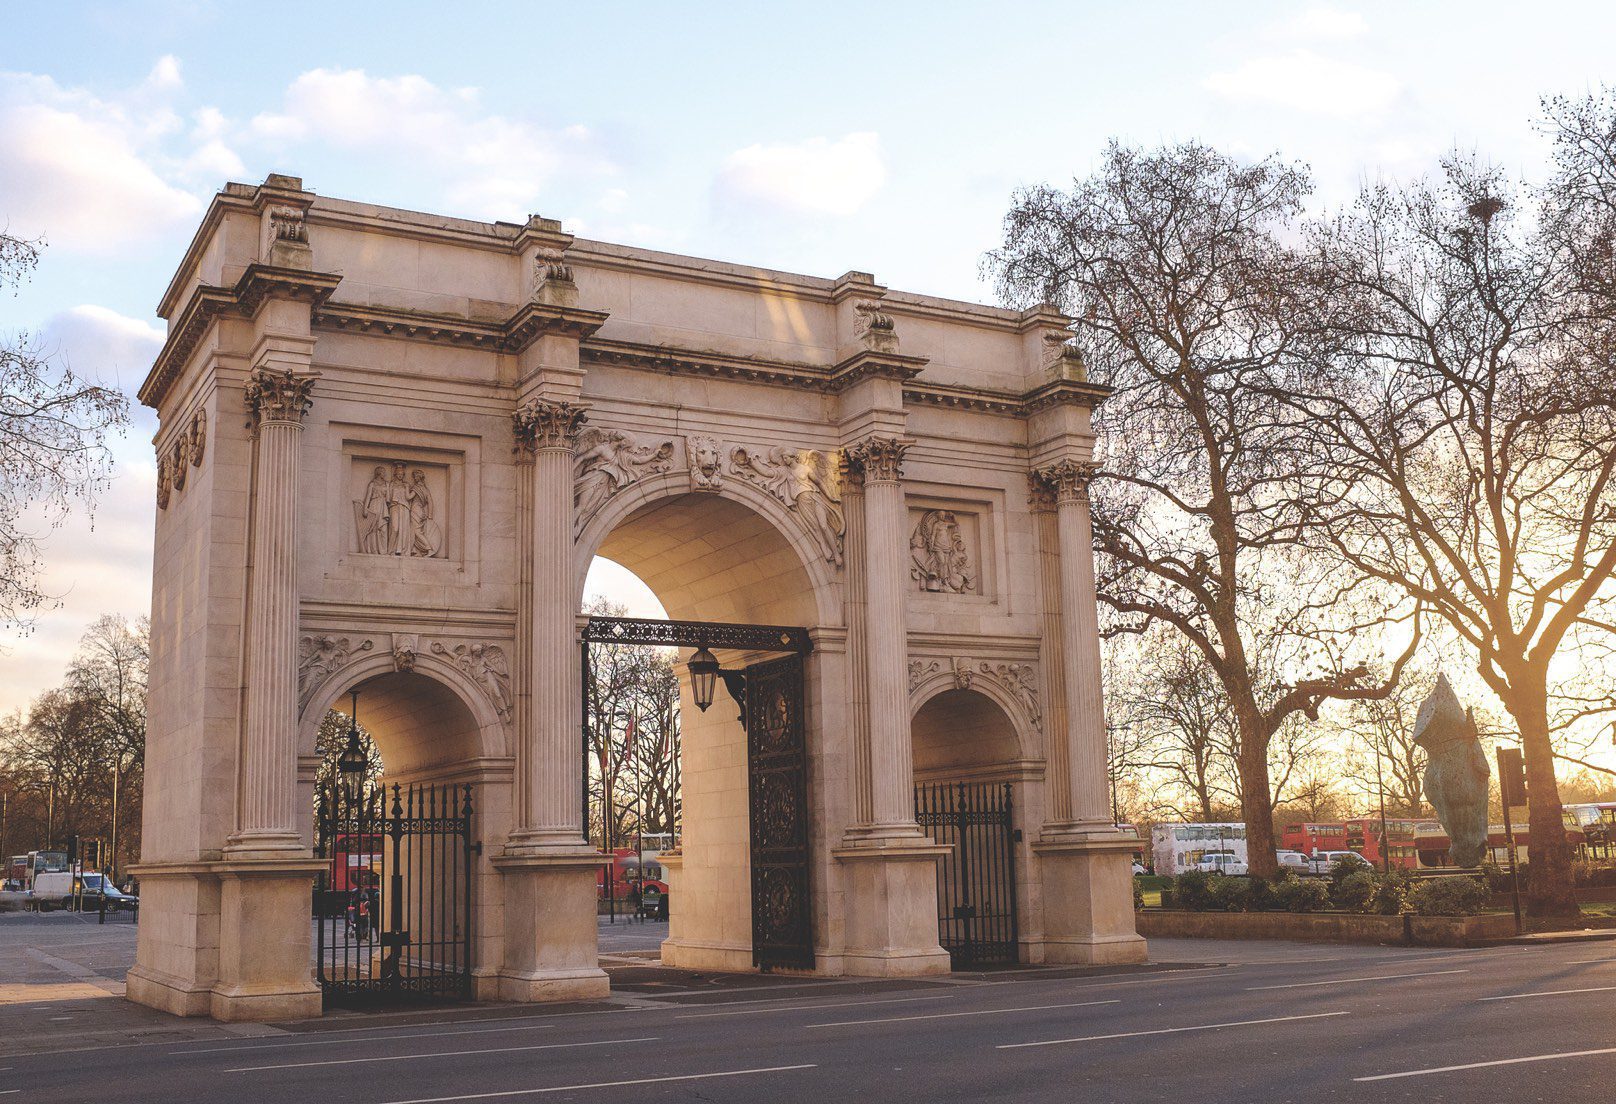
(976, 882)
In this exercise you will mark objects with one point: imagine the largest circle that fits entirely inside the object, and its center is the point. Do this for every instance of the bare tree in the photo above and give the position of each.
(108, 673)
(1463, 392)
(53, 453)
(1173, 264)
(1385, 730)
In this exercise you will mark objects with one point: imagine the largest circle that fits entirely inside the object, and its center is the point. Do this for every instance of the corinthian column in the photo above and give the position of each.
(886, 574)
(267, 811)
(547, 754)
(1077, 770)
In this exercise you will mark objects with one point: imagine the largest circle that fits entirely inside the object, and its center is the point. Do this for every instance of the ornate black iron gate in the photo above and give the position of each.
(393, 909)
(771, 701)
(777, 768)
(976, 881)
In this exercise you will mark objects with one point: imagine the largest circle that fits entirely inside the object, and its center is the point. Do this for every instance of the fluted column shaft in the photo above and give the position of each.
(886, 633)
(858, 705)
(1058, 757)
(267, 810)
(549, 764)
(1085, 782)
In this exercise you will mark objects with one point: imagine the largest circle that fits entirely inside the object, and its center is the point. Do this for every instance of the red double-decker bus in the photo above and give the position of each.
(355, 863)
(1310, 838)
(1363, 836)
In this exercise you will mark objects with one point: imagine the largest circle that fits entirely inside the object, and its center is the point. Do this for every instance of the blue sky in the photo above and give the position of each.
(817, 138)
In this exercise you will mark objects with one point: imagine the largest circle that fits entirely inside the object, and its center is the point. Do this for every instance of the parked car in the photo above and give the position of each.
(1322, 861)
(1221, 862)
(1295, 861)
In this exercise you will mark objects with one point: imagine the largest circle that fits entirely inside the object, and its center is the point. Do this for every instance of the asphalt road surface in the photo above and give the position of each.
(1246, 1023)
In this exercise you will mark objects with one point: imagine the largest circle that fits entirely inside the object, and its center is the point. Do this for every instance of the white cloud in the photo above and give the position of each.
(103, 345)
(817, 176)
(84, 171)
(1307, 81)
(165, 74)
(1322, 23)
(490, 165)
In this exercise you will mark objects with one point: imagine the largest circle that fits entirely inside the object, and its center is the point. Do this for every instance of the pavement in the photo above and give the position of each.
(1209, 1021)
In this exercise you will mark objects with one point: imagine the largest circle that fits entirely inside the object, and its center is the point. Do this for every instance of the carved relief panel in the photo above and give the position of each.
(950, 549)
(400, 507)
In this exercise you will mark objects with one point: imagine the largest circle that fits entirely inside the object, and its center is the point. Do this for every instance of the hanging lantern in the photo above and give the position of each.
(703, 677)
(353, 764)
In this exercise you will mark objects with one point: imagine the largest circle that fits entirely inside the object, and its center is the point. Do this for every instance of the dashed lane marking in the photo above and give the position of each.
(1168, 1030)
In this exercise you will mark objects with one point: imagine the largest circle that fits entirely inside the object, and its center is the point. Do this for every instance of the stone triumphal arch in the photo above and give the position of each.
(391, 445)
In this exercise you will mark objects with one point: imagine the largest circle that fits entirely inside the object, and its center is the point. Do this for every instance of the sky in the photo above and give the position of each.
(813, 138)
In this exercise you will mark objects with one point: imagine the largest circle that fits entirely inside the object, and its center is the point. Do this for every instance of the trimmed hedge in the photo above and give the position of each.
(1351, 887)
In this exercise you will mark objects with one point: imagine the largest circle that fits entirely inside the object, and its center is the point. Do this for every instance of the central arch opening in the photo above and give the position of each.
(706, 558)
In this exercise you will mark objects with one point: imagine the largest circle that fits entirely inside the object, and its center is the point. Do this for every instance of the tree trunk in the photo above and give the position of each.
(1256, 799)
(1548, 884)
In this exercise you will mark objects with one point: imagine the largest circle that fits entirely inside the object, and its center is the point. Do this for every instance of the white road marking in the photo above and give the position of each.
(1580, 961)
(980, 1012)
(1167, 1030)
(441, 1054)
(1346, 981)
(1551, 993)
(604, 1085)
(362, 1042)
(1483, 1065)
(811, 1007)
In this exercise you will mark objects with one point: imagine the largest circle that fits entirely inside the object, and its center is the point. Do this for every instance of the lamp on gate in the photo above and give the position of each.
(703, 677)
(352, 764)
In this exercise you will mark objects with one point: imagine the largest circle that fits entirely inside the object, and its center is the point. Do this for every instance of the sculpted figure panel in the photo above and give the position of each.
(488, 668)
(396, 513)
(940, 559)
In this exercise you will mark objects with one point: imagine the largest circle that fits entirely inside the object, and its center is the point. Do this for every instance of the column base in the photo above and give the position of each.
(552, 945)
(1088, 899)
(177, 944)
(891, 907)
(265, 952)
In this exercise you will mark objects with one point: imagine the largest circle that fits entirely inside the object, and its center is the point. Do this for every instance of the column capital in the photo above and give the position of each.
(1064, 481)
(279, 396)
(541, 424)
(877, 459)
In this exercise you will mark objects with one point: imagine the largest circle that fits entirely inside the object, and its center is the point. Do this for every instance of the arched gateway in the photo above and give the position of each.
(391, 444)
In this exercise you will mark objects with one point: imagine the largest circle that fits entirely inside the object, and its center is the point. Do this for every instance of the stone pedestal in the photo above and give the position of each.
(265, 941)
(1088, 900)
(552, 946)
(891, 901)
(177, 960)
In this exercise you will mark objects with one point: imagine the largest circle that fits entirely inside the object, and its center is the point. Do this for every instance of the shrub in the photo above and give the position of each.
(1192, 890)
(1391, 892)
(1591, 872)
(1230, 894)
(1449, 897)
(1354, 892)
(1301, 895)
(1343, 868)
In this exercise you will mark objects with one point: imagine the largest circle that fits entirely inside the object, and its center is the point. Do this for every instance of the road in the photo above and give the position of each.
(1245, 1023)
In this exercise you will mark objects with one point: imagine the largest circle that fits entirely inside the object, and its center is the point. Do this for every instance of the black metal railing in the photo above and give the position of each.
(393, 907)
(976, 880)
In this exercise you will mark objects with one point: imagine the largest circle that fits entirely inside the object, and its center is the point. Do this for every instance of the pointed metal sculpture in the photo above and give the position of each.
(1456, 772)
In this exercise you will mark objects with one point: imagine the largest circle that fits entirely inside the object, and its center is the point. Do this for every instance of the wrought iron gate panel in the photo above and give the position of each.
(976, 880)
(777, 767)
(393, 909)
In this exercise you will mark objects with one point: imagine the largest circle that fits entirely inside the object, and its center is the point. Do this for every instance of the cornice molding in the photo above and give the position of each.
(530, 322)
(208, 303)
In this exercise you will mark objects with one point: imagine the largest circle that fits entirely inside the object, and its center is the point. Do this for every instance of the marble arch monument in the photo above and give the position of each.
(391, 443)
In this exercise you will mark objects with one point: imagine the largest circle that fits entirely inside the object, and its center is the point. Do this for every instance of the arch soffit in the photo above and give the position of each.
(1029, 738)
(822, 576)
(493, 738)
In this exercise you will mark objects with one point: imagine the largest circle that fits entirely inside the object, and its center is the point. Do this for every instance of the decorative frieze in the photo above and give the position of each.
(606, 461)
(941, 562)
(1016, 681)
(805, 482)
(874, 327)
(706, 458)
(318, 657)
(396, 514)
(488, 668)
(186, 452)
(540, 424)
(279, 396)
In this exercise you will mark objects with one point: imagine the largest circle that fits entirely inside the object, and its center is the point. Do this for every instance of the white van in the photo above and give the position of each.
(53, 890)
